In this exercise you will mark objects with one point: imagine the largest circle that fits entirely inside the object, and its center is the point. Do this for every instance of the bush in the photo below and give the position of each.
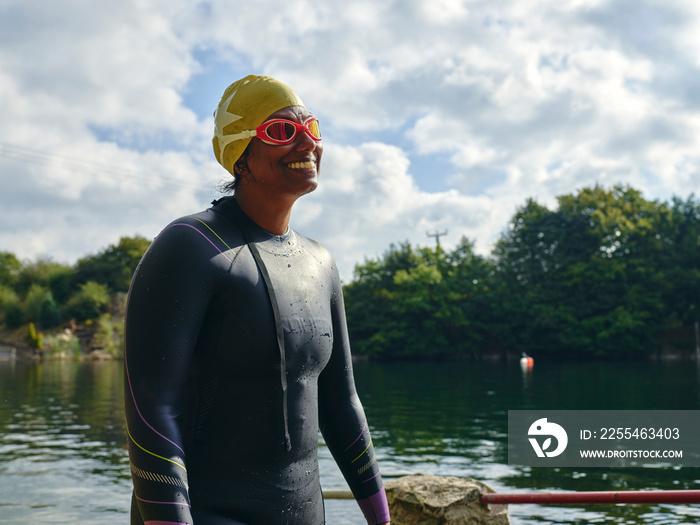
(60, 282)
(7, 296)
(110, 335)
(88, 303)
(49, 315)
(62, 345)
(10, 267)
(114, 266)
(34, 300)
(14, 315)
(35, 339)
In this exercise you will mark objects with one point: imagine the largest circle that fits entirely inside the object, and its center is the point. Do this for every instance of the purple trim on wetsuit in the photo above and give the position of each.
(375, 508)
(128, 377)
(126, 366)
(202, 234)
(358, 437)
(164, 502)
(369, 479)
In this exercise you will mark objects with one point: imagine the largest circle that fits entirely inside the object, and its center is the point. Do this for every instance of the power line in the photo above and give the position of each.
(35, 156)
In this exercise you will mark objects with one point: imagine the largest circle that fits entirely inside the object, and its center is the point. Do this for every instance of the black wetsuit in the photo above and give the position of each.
(209, 439)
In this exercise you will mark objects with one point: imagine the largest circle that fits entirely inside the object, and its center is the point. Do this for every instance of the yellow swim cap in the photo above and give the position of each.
(244, 106)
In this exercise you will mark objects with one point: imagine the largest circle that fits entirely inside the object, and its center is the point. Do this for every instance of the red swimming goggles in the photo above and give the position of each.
(282, 131)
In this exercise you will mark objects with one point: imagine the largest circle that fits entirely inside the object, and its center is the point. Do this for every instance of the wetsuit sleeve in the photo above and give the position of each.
(343, 421)
(167, 300)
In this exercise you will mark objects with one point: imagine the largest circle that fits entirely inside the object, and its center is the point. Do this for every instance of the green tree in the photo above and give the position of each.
(10, 268)
(527, 257)
(36, 295)
(417, 314)
(420, 302)
(34, 338)
(586, 279)
(367, 298)
(89, 302)
(49, 315)
(7, 296)
(681, 241)
(473, 288)
(114, 266)
(12, 311)
(60, 282)
(39, 272)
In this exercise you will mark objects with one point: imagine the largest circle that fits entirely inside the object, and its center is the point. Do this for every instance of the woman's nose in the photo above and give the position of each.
(305, 142)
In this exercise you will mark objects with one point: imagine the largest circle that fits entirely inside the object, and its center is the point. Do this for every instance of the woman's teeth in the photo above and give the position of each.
(308, 165)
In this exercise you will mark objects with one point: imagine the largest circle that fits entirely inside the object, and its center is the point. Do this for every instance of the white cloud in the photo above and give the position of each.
(524, 99)
(367, 200)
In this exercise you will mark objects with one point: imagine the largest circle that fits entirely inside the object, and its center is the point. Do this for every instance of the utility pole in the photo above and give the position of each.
(437, 236)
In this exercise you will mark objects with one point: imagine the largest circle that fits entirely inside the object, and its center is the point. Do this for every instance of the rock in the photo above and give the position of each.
(7, 353)
(100, 355)
(441, 500)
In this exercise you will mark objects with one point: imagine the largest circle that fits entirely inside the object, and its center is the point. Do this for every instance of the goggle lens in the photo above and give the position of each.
(314, 129)
(284, 131)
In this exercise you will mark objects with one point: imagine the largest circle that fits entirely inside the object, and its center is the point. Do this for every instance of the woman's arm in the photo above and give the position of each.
(167, 301)
(343, 421)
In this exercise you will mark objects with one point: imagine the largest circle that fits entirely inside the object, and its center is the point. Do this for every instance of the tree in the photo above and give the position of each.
(60, 283)
(7, 296)
(36, 295)
(9, 269)
(528, 257)
(49, 315)
(39, 272)
(114, 266)
(13, 314)
(419, 303)
(475, 291)
(367, 299)
(587, 278)
(89, 302)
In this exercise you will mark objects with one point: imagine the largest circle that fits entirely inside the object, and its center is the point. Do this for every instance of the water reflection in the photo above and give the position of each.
(61, 438)
(62, 455)
(451, 419)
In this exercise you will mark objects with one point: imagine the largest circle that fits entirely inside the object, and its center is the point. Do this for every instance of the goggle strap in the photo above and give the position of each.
(242, 135)
(225, 140)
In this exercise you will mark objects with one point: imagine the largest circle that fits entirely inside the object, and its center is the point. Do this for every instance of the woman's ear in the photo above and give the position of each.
(241, 165)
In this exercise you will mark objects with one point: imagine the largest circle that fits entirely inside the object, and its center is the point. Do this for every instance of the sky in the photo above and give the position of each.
(439, 116)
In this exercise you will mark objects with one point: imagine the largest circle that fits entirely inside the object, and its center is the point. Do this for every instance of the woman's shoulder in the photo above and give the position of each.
(209, 218)
(317, 250)
(206, 230)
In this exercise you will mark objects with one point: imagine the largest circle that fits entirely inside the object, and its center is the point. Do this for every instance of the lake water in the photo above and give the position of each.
(63, 457)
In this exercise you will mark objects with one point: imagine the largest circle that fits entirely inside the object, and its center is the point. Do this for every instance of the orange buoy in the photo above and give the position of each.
(526, 362)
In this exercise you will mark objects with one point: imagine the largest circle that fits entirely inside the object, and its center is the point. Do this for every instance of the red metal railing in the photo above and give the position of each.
(572, 498)
(609, 497)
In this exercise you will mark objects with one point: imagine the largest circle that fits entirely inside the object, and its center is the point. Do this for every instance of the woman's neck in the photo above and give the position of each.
(271, 216)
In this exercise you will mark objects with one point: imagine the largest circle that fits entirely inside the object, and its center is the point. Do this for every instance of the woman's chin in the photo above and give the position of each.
(308, 183)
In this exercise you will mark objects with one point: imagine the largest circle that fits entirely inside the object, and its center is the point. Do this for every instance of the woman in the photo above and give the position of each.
(236, 344)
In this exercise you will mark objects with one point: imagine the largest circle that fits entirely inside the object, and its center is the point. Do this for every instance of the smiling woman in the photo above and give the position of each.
(236, 344)
(275, 172)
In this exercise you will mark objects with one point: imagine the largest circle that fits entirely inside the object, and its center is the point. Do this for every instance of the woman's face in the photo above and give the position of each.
(288, 168)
